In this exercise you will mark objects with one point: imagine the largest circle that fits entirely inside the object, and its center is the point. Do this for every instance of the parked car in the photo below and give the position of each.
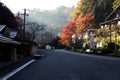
(48, 47)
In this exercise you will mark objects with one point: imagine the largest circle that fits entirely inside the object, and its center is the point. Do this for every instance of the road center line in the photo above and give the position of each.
(16, 70)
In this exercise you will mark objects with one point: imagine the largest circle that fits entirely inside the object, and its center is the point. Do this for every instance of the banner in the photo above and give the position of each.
(92, 42)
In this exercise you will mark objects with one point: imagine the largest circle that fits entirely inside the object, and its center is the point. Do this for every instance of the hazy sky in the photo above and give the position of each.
(18, 5)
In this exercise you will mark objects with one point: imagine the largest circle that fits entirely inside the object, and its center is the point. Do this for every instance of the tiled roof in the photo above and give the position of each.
(4, 39)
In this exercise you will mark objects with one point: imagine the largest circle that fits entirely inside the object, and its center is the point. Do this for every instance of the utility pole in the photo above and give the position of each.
(24, 23)
(42, 35)
(18, 14)
(24, 14)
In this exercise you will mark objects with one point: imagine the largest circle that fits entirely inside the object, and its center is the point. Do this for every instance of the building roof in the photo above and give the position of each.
(110, 21)
(112, 15)
(4, 39)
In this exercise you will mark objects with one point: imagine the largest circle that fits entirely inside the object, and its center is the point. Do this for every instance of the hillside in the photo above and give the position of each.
(54, 19)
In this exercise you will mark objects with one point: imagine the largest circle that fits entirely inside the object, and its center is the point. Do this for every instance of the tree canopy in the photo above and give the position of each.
(88, 14)
(67, 32)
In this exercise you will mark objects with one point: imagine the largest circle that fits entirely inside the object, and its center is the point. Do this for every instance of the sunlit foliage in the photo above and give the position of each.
(88, 14)
(84, 22)
(67, 32)
(116, 4)
(83, 8)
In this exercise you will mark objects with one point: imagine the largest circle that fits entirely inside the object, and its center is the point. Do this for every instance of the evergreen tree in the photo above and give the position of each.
(102, 9)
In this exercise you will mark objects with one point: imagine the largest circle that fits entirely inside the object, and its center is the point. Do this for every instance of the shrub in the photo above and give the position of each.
(103, 51)
(68, 47)
(112, 46)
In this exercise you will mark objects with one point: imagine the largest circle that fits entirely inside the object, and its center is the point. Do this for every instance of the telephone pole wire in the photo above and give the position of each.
(25, 14)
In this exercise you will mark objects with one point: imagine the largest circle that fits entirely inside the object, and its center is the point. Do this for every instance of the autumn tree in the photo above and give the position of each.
(67, 32)
(82, 18)
(84, 22)
(84, 13)
(83, 8)
(87, 14)
(99, 8)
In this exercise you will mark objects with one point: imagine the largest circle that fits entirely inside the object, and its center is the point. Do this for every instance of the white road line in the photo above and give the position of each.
(16, 70)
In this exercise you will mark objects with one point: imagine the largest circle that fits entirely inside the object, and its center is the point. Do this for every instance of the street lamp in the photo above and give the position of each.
(25, 14)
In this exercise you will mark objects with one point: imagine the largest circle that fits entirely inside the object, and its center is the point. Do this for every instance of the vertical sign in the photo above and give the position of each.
(92, 42)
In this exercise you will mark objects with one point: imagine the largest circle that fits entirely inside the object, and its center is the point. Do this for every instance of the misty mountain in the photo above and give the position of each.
(54, 19)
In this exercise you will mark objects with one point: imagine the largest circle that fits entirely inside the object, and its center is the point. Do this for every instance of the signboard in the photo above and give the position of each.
(99, 44)
(92, 42)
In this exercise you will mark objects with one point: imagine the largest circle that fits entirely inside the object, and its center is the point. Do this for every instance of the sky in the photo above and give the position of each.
(19, 5)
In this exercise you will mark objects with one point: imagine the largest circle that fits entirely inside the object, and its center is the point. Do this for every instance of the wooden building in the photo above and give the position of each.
(113, 19)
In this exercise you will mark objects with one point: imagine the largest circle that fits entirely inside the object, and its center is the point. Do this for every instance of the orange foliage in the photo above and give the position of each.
(67, 32)
(84, 22)
(77, 25)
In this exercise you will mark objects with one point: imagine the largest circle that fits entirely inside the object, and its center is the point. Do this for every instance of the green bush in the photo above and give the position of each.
(68, 48)
(112, 46)
(103, 51)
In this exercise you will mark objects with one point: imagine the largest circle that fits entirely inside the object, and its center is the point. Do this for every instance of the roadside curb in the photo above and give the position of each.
(7, 63)
(92, 55)
(6, 68)
(16, 70)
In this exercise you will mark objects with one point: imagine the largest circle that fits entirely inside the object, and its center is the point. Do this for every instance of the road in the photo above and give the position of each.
(61, 65)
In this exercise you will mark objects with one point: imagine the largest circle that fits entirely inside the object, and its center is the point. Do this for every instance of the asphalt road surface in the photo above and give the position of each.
(61, 65)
